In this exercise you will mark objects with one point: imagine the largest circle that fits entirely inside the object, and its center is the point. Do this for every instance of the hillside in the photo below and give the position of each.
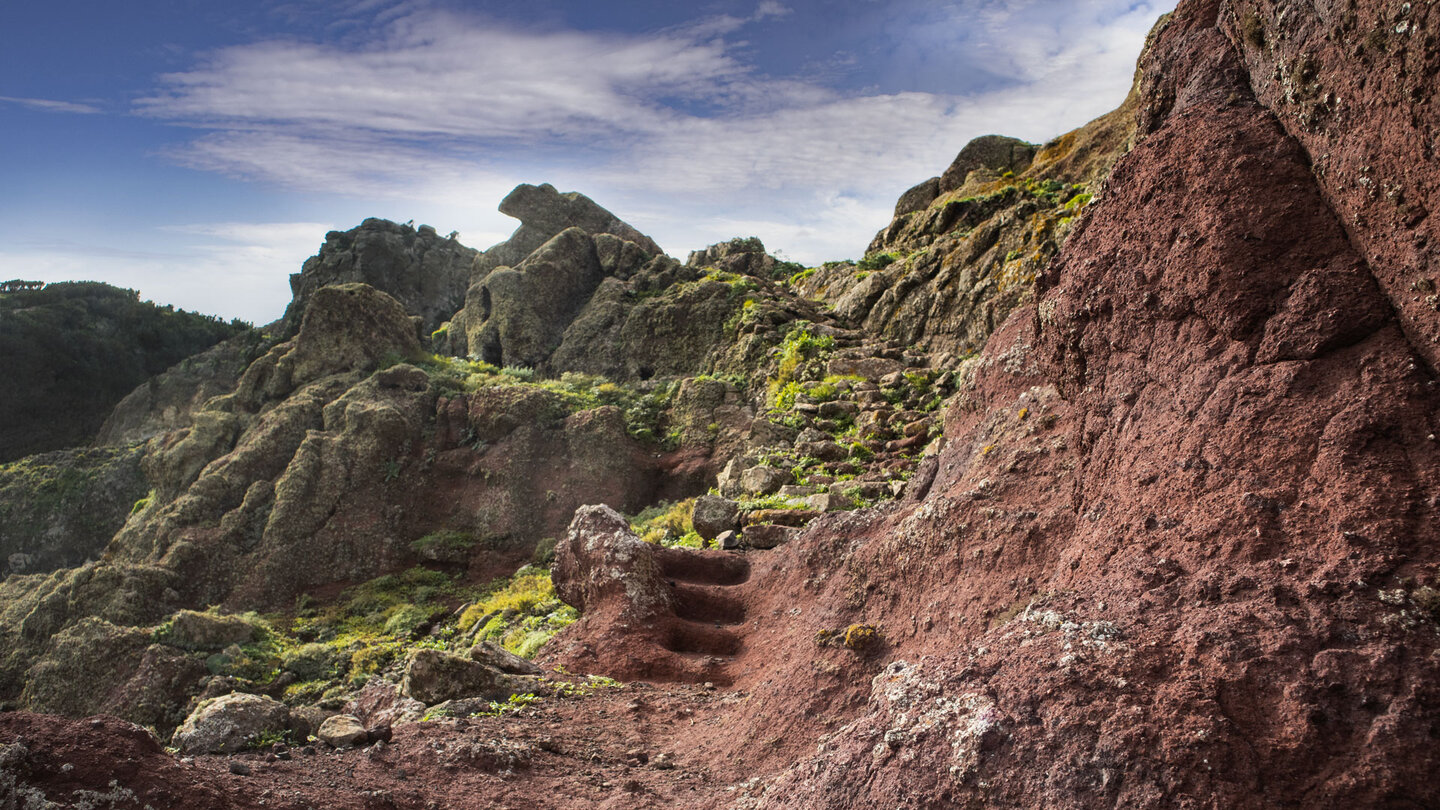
(1106, 478)
(70, 351)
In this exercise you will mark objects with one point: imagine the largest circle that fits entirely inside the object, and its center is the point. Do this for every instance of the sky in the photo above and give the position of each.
(199, 150)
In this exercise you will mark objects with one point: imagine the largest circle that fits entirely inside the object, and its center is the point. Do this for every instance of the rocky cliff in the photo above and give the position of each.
(1113, 483)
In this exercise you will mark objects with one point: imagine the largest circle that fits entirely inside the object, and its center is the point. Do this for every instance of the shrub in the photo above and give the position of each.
(876, 261)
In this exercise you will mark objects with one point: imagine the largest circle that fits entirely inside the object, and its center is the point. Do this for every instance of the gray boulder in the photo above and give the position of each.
(342, 731)
(713, 516)
(432, 676)
(229, 724)
(764, 480)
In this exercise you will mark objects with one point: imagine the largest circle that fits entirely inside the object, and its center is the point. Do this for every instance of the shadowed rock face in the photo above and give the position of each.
(428, 274)
(998, 153)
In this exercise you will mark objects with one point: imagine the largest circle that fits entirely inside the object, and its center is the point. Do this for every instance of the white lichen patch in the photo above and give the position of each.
(968, 723)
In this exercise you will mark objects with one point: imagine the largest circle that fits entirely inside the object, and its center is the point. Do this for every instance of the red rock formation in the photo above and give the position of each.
(1181, 549)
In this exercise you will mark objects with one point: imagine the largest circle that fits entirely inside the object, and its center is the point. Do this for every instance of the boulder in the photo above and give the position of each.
(601, 564)
(342, 731)
(433, 676)
(629, 627)
(230, 723)
(764, 480)
(768, 535)
(493, 655)
(713, 516)
(381, 703)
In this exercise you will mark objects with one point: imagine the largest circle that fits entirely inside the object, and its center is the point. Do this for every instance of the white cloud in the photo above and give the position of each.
(673, 130)
(48, 105)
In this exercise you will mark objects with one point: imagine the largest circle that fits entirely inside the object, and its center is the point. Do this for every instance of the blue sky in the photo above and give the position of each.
(198, 151)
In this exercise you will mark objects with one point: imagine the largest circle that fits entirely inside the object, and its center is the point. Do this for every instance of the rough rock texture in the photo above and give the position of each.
(169, 400)
(744, 256)
(59, 509)
(997, 153)
(191, 629)
(94, 666)
(713, 515)
(427, 273)
(230, 723)
(647, 611)
(70, 351)
(432, 676)
(1355, 85)
(98, 762)
(523, 311)
(533, 312)
(342, 731)
(544, 213)
(1181, 547)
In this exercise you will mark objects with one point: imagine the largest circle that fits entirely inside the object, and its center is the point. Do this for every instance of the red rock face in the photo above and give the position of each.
(1181, 549)
(1355, 84)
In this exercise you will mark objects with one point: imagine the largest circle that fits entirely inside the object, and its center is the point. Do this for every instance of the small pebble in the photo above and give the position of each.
(239, 768)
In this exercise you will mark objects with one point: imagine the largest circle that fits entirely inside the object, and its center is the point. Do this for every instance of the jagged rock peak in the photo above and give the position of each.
(543, 213)
(743, 255)
(996, 152)
(427, 273)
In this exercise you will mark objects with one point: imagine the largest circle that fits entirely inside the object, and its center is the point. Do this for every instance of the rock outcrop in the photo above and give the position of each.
(168, 401)
(964, 249)
(525, 291)
(427, 273)
(544, 213)
(1181, 544)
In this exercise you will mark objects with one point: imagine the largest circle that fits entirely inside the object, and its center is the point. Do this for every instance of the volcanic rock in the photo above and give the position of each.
(425, 273)
(712, 516)
(434, 676)
(629, 591)
(342, 731)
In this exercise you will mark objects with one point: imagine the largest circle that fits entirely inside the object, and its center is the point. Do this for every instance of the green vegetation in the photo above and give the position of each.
(801, 346)
(877, 261)
(644, 404)
(521, 615)
(443, 544)
(667, 524)
(70, 351)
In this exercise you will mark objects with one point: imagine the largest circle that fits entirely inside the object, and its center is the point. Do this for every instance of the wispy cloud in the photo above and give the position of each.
(50, 105)
(676, 130)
